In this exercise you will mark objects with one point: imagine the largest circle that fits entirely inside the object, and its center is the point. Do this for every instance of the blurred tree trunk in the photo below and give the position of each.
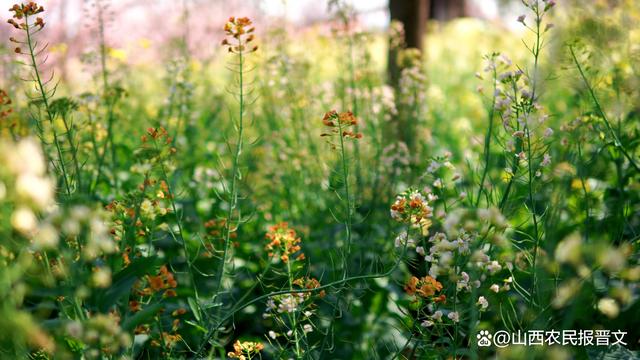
(445, 10)
(413, 14)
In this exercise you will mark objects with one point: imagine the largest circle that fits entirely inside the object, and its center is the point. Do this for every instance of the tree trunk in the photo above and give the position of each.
(413, 14)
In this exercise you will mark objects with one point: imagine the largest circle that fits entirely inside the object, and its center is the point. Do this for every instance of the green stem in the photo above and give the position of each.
(616, 140)
(233, 191)
(536, 54)
(487, 140)
(345, 173)
(45, 100)
(294, 316)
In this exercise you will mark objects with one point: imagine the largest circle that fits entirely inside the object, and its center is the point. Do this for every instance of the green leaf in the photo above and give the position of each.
(196, 326)
(141, 316)
(195, 308)
(123, 281)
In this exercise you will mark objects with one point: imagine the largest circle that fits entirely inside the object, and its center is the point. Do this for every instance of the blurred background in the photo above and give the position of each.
(137, 31)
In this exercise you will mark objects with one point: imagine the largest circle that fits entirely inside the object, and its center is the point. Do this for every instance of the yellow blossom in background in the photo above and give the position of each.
(118, 54)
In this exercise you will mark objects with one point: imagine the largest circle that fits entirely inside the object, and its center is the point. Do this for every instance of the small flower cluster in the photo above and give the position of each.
(396, 160)
(426, 287)
(216, 230)
(157, 147)
(309, 283)
(24, 182)
(535, 6)
(283, 241)
(575, 258)
(156, 134)
(23, 11)
(339, 124)
(5, 103)
(80, 220)
(163, 281)
(296, 305)
(412, 81)
(241, 30)
(411, 207)
(244, 350)
(149, 203)
(383, 102)
(396, 35)
(101, 334)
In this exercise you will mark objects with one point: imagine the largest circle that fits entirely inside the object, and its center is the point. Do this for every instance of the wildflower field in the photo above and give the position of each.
(259, 190)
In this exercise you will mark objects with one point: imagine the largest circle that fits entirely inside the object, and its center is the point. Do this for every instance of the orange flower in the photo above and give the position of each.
(245, 349)
(164, 280)
(239, 31)
(343, 120)
(411, 206)
(429, 287)
(134, 306)
(283, 241)
(410, 286)
(425, 287)
(156, 282)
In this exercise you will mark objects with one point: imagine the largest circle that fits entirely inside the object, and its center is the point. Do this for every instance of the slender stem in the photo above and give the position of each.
(536, 53)
(228, 229)
(294, 317)
(345, 174)
(179, 223)
(616, 140)
(109, 102)
(74, 150)
(45, 100)
(487, 140)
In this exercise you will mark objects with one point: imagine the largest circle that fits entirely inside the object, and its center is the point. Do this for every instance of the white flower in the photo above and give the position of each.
(420, 250)
(36, 189)
(609, 307)
(146, 208)
(427, 323)
(272, 334)
(438, 183)
(27, 158)
(437, 315)
(548, 132)
(24, 221)
(46, 237)
(102, 277)
(495, 288)
(403, 238)
(307, 328)
(454, 316)
(493, 267)
(546, 160)
(288, 304)
(271, 305)
(433, 167)
(482, 301)
(521, 155)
